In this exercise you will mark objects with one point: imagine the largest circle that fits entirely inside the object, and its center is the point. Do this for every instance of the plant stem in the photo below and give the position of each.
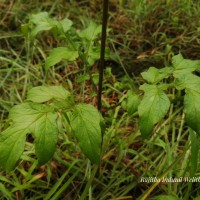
(103, 43)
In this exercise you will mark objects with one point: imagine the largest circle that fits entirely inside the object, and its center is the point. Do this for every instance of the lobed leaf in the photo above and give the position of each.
(152, 109)
(188, 81)
(34, 118)
(184, 66)
(86, 124)
(154, 75)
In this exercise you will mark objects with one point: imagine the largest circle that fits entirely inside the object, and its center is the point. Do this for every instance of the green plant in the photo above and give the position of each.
(43, 114)
(73, 45)
(49, 107)
(177, 87)
(156, 103)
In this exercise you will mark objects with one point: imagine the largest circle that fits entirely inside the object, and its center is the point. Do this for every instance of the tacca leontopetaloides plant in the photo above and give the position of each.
(42, 114)
(155, 102)
(48, 107)
(178, 84)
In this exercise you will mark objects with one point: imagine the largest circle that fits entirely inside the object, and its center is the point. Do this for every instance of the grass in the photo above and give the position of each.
(144, 33)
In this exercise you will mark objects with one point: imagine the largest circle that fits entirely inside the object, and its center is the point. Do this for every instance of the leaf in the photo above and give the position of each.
(40, 120)
(132, 103)
(25, 115)
(42, 22)
(152, 109)
(188, 81)
(42, 94)
(184, 66)
(59, 54)
(91, 32)
(39, 17)
(192, 109)
(85, 123)
(191, 84)
(66, 24)
(46, 133)
(154, 75)
(12, 142)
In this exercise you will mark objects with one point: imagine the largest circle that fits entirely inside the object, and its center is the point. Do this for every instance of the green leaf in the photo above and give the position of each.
(152, 109)
(46, 133)
(85, 123)
(191, 84)
(42, 94)
(154, 75)
(91, 32)
(188, 81)
(40, 120)
(192, 109)
(66, 24)
(39, 17)
(12, 142)
(59, 54)
(132, 103)
(42, 22)
(184, 66)
(25, 115)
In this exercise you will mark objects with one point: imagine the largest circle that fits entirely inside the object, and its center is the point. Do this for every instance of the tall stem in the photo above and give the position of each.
(103, 43)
